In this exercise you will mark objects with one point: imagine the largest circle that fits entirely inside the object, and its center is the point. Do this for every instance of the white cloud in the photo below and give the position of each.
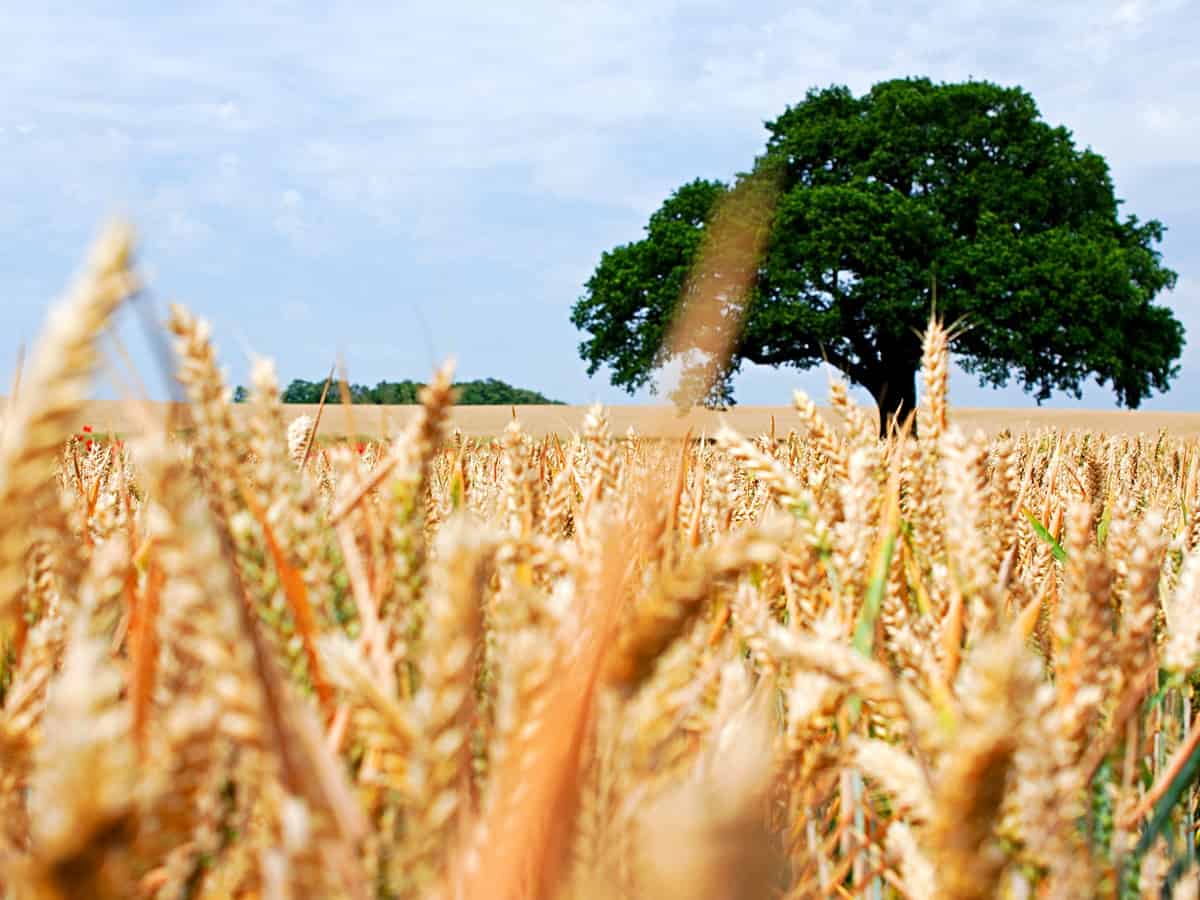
(1131, 13)
(183, 232)
(389, 107)
(289, 220)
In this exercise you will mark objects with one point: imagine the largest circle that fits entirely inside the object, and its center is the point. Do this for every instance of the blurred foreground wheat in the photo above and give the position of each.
(252, 665)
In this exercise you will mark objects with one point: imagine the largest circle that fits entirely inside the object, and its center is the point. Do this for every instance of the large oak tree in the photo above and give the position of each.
(913, 191)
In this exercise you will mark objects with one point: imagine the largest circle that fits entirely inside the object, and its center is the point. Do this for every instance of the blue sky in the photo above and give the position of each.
(399, 182)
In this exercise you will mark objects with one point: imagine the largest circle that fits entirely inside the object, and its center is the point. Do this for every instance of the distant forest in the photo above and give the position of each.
(484, 392)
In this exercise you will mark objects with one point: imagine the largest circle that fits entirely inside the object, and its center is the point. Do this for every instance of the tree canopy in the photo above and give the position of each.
(912, 191)
(481, 392)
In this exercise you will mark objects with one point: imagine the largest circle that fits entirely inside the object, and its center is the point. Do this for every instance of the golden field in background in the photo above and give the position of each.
(653, 421)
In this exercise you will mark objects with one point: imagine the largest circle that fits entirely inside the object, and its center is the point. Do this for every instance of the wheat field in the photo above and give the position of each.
(647, 420)
(241, 661)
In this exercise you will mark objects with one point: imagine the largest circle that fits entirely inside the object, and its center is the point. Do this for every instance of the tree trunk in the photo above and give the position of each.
(895, 393)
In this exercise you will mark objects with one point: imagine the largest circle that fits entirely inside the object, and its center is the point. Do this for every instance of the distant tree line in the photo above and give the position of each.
(481, 392)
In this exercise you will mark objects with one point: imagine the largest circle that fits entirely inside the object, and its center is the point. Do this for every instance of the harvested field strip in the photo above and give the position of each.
(654, 422)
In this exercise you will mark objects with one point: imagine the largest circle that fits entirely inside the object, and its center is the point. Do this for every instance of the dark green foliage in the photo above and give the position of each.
(490, 392)
(884, 196)
(482, 392)
(300, 391)
(307, 392)
(392, 392)
(634, 292)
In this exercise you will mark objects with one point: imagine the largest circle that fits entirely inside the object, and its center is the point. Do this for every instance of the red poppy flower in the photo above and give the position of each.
(87, 429)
